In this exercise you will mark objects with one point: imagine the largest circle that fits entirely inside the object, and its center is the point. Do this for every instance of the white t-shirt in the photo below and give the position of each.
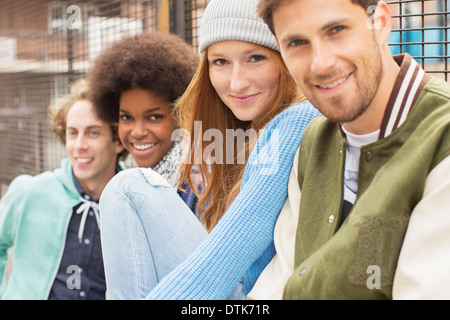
(354, 144)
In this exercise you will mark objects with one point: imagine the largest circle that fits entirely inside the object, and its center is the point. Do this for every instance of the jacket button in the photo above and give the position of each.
(331, 218)
(302, 272)
(368, 156)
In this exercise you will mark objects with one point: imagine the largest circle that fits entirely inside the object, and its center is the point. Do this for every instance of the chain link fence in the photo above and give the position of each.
(46, 45)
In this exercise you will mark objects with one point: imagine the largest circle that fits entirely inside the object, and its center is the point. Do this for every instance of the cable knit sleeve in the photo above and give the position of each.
(240, 244)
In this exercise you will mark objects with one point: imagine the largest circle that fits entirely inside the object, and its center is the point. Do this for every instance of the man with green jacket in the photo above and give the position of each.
(374, 170)
(51, 220)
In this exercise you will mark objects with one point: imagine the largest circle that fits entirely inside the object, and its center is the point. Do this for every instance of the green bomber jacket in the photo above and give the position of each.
(334, 261)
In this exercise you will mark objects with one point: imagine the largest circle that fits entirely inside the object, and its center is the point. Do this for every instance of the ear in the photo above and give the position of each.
(119, 147)
(380, 21)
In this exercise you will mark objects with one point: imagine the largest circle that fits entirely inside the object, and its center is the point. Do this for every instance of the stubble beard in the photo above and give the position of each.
(338, 109)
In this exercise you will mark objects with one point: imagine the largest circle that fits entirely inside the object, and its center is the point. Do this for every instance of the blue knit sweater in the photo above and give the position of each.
(241, 244)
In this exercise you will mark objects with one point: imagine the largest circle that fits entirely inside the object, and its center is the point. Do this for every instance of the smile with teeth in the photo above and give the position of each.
(84, 160)
(141, 147)
(333, 84)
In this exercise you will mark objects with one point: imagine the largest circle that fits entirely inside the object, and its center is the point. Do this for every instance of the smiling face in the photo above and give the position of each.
(335, 58)
(245, 76)
(90, 145)
(145, 126)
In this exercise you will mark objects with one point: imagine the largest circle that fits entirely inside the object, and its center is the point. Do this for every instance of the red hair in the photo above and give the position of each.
(200, 102)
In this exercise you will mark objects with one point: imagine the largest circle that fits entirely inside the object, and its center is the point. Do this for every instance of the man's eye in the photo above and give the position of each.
(337, 29)
(296, 43)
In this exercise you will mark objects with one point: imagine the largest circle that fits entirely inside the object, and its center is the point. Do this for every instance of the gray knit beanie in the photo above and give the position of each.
(234, 20)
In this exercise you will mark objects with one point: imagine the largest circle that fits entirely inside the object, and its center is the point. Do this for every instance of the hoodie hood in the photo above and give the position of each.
(65, 177)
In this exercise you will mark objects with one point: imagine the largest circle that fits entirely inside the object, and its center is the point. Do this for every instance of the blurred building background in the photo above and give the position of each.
(47, 44)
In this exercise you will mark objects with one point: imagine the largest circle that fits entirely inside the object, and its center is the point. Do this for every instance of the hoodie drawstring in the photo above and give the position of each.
(85, 207)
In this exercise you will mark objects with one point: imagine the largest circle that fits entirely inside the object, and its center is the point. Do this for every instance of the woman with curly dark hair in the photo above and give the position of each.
(136, 81)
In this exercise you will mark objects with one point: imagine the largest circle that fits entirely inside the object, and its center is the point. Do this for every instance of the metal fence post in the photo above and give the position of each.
(178, 18)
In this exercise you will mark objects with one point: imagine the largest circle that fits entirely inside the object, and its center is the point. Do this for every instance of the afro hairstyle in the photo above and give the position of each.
(161, 63)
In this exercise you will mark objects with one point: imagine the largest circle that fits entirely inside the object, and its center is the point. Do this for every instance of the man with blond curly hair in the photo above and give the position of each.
(52, 219)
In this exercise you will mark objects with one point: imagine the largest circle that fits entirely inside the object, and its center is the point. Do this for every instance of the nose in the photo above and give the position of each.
(81, 142)
(322, 59)
(139, 129)
(239, 78)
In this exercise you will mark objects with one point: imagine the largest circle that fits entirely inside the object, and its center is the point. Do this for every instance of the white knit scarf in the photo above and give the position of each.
(168, 167)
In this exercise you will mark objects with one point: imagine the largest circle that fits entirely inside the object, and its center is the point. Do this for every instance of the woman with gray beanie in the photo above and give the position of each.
(156, 248)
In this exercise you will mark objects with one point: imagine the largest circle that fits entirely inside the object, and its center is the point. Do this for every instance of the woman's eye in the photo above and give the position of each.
(257, 58)
(156, 117)
(219, 62)
(124, 117)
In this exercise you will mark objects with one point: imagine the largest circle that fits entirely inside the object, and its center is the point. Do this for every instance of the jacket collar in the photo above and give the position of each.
(407, 88)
